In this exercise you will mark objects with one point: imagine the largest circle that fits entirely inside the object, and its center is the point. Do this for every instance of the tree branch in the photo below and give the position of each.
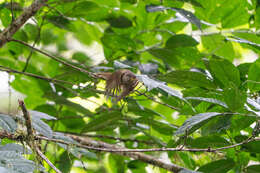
(8, 32)
(9, 70)
(90, 144)
(55, 58)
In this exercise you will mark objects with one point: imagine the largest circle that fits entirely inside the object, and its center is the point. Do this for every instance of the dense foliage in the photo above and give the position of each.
(196, 61)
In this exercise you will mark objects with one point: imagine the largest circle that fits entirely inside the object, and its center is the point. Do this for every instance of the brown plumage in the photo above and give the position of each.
(119, 83)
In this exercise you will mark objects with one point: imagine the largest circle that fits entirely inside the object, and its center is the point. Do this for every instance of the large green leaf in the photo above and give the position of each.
(103, 121)
(218, 166)
(253, 169)
(180, 40)
(234, 98)
(218, 45)
(90, 11)
(187, 79)
(254, 76)
(208, 141)
(196, 122)
(224, 71)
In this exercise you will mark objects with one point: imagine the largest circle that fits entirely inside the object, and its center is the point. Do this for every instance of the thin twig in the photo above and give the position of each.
(34, 43)
(9, 70)
(55, 58)
(47, 160)
(150, 149)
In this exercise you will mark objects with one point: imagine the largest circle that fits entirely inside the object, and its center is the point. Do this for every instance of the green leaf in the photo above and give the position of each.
(188, 160)
(234, 98)
(252, 147)
(217, 125)
(218, 166)
(64, 101)
(254, 77)
(90, 11)
(160, 126)
(116, 163)
(65, 162)
(118, 42)
(7, 123)
(252, 169)
(219, 46)
(139, 110)
(224, 71)
(61, 22)
(136, 166)
(180, 40)
(165, 54)
(195, 122)
(120, 22)
(102, 121)
(208, 141)
(187, 79)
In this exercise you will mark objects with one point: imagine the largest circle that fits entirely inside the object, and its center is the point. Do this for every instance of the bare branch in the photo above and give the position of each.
(27, 118)
(8, 32)
(47, 160)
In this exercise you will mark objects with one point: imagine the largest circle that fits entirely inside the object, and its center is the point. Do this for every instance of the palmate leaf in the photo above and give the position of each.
(15, 148)
(41, 115)
(195, 122)
(41, 127)
(7, 123)
(12, 160)
(187, 14)
(20, 165)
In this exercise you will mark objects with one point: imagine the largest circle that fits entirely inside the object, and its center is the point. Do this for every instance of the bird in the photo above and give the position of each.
(119, 83)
